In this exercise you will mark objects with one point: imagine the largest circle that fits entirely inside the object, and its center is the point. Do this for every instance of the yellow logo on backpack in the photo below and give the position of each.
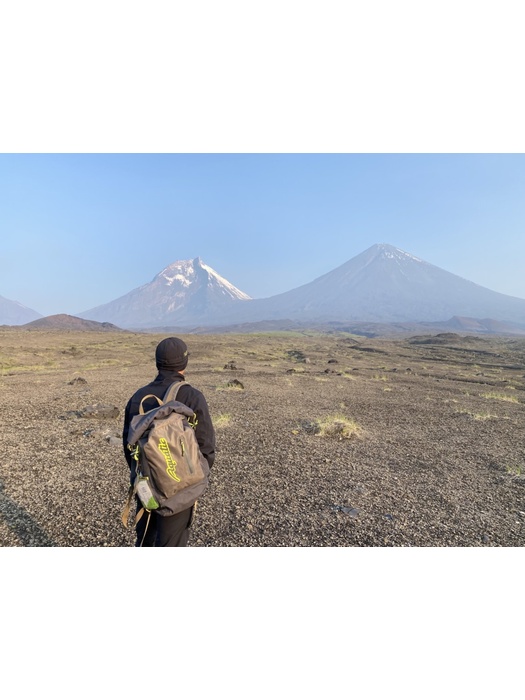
(171, 464)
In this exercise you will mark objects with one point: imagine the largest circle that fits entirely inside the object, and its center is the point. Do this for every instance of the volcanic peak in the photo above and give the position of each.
(186, 272)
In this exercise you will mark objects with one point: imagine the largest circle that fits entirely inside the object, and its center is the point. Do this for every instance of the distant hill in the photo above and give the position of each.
(69, 323)
(12, 313)
(482, 326)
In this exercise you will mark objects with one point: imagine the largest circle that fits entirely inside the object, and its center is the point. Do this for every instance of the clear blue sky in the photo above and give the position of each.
(81, 230)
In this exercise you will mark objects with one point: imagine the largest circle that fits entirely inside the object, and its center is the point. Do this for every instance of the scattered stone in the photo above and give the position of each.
(230, 365)
(73, 350)
(485, 538)
(333, 362)
(347, 510)
(297, 355)
(69, 414)
(235, 384)
(105, 433)
(291, 371)
(98, 410)
(94, 433)
(78, 380)
(310, 427)
(114, 441)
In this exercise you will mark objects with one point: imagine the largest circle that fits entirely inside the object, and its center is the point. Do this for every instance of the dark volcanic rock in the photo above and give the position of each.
(99, 411)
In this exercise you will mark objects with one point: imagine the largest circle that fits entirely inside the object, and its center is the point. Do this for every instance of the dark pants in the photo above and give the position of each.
(170, 531)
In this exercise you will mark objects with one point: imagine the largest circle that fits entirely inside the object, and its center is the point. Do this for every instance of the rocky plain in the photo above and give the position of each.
(323, 440)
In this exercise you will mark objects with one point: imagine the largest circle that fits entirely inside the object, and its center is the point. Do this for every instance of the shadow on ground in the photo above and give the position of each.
(20, 522)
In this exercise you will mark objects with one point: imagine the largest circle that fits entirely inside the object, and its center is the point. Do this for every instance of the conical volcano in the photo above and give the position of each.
(384, 284)
(186, 292)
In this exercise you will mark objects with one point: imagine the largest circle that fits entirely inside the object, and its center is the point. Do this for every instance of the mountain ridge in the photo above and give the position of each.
(381, 285)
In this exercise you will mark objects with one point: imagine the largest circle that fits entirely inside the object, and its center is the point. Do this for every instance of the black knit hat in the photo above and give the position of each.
(171, 354)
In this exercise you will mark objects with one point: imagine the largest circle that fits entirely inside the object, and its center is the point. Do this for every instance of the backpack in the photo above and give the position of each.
(171, 471)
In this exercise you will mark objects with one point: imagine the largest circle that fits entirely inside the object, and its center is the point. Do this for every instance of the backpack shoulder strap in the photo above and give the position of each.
(173, 389)
(149, 396)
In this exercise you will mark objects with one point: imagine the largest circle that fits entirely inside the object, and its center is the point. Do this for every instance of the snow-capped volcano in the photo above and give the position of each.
(383, 284)
(186, 292)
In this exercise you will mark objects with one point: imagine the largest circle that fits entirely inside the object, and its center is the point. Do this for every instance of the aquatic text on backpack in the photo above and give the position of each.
(171, 471)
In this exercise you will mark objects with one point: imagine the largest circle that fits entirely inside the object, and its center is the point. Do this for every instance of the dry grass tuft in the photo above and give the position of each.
(339, 426)
(484, 415)
(500, 397)
(222, 420)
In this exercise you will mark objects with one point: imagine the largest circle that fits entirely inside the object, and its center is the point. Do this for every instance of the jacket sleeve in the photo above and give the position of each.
(127, 419)
(204, 432)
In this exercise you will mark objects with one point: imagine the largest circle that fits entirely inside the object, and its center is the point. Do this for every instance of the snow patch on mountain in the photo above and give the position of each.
(181, 271)
(185, 272)
(393, 253)
(228, 287)
(177, 278)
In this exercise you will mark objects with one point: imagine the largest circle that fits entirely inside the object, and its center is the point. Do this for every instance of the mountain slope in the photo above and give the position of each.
(185, 292)
(384, 284)
(12, 313)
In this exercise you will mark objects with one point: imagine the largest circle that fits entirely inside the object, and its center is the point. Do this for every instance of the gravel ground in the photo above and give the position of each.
(439, 458)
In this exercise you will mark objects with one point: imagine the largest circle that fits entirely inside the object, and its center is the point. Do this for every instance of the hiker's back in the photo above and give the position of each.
(163, 443)
(182, 448)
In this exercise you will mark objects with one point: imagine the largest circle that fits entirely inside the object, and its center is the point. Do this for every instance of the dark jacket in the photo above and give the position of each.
(188, 395)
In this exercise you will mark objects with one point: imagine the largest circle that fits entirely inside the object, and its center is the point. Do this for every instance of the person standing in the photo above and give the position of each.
(171, 359)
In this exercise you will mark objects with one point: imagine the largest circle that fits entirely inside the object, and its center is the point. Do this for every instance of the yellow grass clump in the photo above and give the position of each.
(339, 426)
(222, 420)
(500, 396)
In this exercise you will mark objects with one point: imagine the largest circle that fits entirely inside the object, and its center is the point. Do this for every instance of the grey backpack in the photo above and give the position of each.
(171, 471)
